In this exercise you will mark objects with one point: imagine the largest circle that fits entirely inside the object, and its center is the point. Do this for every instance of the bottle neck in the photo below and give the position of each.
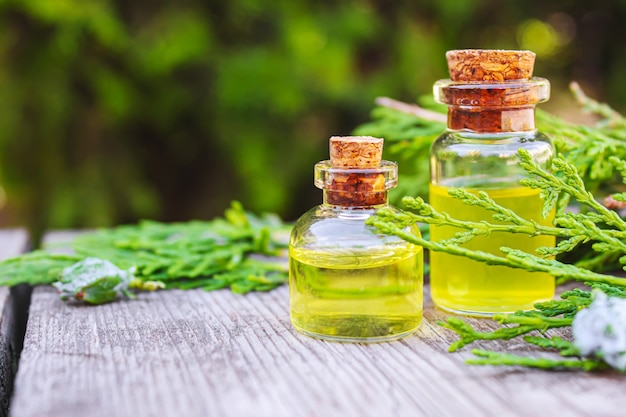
(355, 200)
(492, 107)
(356, 188)
(491, 119)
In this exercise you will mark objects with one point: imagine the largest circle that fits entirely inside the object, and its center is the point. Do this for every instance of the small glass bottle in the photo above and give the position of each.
(348, 282)
(491, 100)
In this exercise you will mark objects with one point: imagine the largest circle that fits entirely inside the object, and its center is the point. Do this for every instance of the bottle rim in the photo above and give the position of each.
(379, 179)
(510, 93)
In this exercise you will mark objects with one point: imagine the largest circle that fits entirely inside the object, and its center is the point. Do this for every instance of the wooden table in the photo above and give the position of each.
(196, 353)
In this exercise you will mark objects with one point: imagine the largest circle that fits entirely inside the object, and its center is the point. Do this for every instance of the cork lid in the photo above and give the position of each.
(492, 65)
(355, 151)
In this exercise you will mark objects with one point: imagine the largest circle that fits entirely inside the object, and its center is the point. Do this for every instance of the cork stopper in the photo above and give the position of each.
(355, 151)
(490, 65)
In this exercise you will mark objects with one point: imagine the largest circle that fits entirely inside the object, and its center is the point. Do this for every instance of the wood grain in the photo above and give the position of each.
(195, 353)
(13, 310)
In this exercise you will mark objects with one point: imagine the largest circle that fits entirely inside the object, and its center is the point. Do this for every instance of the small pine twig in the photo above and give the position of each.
(565, 347)
(469, 335)
(506, 359)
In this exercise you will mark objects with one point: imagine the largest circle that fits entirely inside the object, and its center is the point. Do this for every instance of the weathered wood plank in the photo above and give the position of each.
(13, 310)
(195, 353)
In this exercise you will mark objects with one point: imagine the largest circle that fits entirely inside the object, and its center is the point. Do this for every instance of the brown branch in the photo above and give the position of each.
(595, 107)
(413, 109)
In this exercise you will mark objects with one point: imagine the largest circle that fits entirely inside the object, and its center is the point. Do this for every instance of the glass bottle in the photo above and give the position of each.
(491, 100)
(348, 282)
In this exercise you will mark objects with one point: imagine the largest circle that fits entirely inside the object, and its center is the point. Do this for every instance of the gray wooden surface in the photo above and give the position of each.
(195, 353)
(13, 307)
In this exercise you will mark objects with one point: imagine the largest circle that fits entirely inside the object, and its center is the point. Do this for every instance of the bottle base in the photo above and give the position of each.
(486, 312)
(361, 329)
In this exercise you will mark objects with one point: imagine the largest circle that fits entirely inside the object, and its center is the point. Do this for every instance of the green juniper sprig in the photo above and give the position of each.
(564, 347)
(542, 319)
(35, 268)
(410, 129)
(385, 222)
(198, 254)
(598, 344)
(574, 228)
(488, 357)
(591, 240)
(604, 229)
(469, 335)
(589, 148)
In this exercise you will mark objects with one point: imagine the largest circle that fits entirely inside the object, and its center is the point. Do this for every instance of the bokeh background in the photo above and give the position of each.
(116, 110)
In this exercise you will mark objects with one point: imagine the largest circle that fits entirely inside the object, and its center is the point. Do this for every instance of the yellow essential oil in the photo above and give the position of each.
(465, 286)
(491, 97)
(347, 281)
(357, 295)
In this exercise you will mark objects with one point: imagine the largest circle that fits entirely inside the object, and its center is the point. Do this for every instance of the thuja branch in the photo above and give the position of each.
(197, 254)
(590, 158)
(542, 319)
(513, 258)
(469, 335)
(577, 228)
(486, 357)
(566, 179)
(574, 228)
(525, 325)
(412, 128)
(425, 213)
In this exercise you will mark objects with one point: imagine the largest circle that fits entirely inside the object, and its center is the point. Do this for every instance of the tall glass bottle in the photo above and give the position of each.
(491, 100)
(348, 282)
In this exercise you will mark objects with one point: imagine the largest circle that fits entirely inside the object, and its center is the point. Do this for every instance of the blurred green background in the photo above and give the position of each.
(115, 110)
